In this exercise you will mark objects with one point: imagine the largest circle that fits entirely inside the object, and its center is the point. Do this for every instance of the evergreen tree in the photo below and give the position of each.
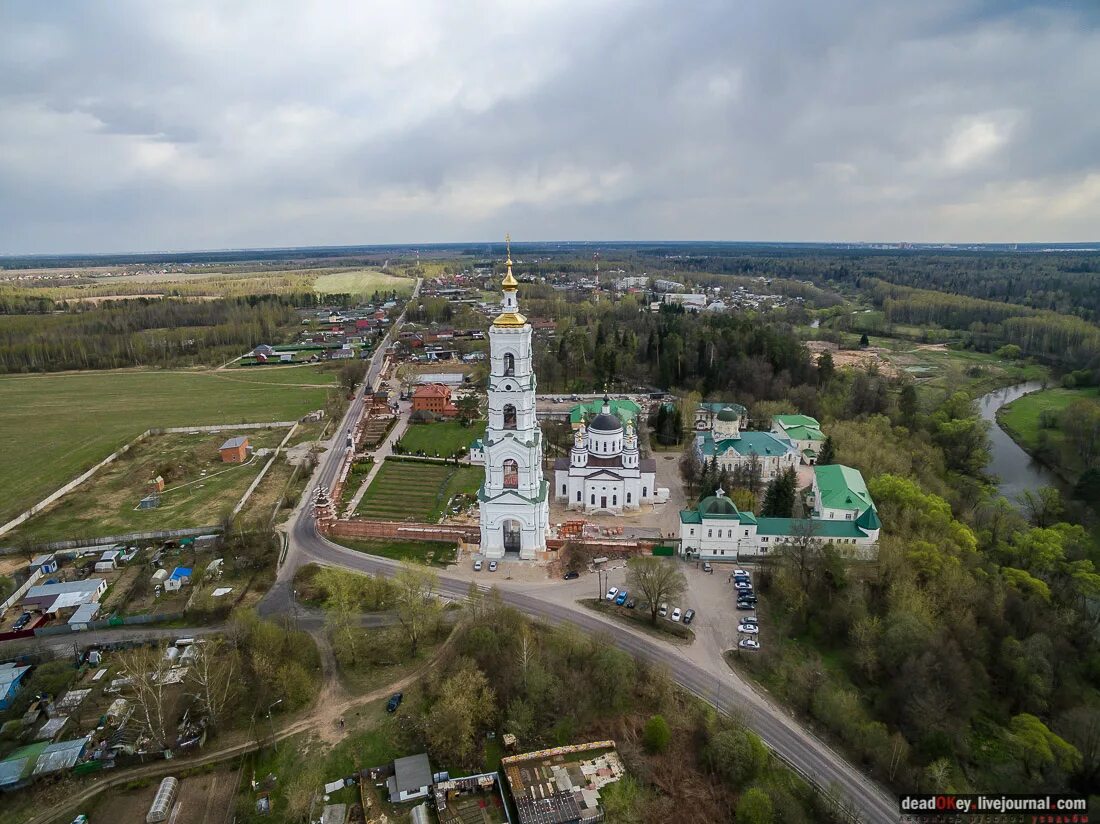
(779, 498)
(864, 341)
(827, 455)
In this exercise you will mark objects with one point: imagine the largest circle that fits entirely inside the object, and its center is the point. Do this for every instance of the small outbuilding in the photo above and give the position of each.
(234, 450)
(179, 577)
(411, 779)
(10, 676)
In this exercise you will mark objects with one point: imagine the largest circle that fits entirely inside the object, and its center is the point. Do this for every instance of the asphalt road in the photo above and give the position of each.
(718, 685)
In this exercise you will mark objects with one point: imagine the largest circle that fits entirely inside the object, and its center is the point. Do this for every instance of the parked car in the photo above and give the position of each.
(748, 643)
(740, 573)
(742, 585)
(477, 565)
(394, 702)
(571, 575)
(707, 567)
(748, 629)
(22, 621)
(743, 604)
(620, 599)
(662, 610)
(492, 566)
(750, 619)
(611, 593)
(631, 604)
(689, 616)
(676, 614)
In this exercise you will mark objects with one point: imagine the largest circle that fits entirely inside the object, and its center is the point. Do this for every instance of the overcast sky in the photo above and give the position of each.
(131, 126)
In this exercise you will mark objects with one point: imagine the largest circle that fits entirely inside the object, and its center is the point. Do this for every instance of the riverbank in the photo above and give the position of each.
(1022, 420)
(1016, 470)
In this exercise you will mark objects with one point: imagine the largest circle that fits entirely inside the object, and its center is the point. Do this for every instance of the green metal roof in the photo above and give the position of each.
(624, 409)
(764, 444)
(820, 528)
(718, 406)
(842, 487)
(804, 433)
(690, 516)
(477, 443)
(869, 519)
(787, 421)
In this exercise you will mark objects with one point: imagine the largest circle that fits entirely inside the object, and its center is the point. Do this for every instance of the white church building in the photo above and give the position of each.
(604, 472)
(514, 503)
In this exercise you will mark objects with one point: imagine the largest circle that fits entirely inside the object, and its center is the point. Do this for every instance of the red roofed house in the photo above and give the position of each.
(434, 398)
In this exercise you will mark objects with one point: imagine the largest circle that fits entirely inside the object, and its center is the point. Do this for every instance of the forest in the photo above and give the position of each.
(140, 332)
(967, 658)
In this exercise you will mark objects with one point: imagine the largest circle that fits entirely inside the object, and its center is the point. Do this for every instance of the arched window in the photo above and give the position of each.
(593, 500)
(644, 492)
(509, 416)
(511, 474)
(628, 497)
(509, 363)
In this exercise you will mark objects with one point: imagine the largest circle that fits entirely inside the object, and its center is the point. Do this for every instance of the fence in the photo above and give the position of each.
(19, 592)
(263, 472)
(79, 479)
(135, 537)
(395, 529)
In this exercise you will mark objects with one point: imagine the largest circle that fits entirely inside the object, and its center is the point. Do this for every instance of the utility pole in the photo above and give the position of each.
(274, 741)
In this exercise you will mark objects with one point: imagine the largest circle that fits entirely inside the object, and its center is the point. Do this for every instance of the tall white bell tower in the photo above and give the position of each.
(514, 504)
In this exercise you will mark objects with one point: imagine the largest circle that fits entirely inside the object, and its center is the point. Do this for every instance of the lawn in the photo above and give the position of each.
(639, 618)
(362, 282)
(432, 553)
(199, 489)
(55, 426)
(1022, 417)
(440, 439)
(416, 491)
(280, 375)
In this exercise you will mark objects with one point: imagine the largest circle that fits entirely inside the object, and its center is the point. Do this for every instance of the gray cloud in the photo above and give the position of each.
(146, 125)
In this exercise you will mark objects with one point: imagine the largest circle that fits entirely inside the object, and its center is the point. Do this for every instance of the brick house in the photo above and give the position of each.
(235, 450)
(434, 398)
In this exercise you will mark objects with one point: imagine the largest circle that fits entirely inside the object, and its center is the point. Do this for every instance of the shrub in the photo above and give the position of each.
(656, 734)
(755, 807)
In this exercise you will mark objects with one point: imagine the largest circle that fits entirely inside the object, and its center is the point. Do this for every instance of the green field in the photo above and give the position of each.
(311, 375)
(199, 489)
(1021, 417)
(440, 439)
(414, 491)
(55, 426)
(362, 282)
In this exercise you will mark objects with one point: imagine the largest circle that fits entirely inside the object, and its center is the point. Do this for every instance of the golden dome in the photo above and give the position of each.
(510, 319)
(509, 282)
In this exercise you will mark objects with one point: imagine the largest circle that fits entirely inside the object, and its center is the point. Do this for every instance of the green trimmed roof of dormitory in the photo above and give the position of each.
(764, 444)
(820, 528)
(842, 487)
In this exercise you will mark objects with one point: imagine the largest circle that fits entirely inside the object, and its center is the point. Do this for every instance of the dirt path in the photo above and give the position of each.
(323, 717)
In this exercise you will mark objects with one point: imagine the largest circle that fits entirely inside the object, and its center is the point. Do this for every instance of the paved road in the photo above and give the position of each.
(711, 680)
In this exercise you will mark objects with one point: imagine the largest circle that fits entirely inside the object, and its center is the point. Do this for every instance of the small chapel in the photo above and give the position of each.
(604, 472)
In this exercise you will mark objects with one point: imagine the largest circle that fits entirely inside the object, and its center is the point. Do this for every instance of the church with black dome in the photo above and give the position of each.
(604, 472)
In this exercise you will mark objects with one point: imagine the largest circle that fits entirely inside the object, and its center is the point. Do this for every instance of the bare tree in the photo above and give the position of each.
(214, 674)
(658, 579)
(142, 666)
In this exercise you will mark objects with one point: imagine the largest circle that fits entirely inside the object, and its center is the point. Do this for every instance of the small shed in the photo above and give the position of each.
(46, 563)
(159, 576)
(149, 502)
(10, 676)
(179, 577)
(234, 450)
(84, 615)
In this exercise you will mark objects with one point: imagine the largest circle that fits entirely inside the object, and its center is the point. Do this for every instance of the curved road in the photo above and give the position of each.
(716, 684)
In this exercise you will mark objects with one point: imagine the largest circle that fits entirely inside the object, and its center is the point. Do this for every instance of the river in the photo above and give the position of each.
(1016, 470)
